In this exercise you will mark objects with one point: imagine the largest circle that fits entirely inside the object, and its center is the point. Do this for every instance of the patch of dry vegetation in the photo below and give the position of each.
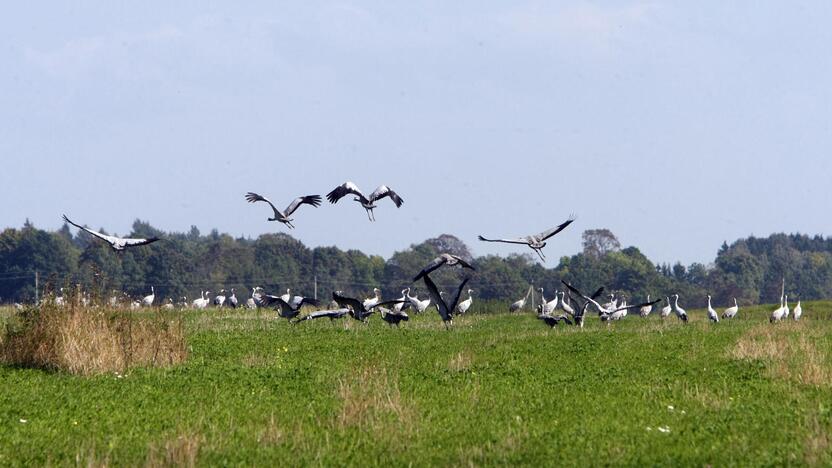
(182, 450)
(90, 340)
(792, 350)
(371, 400)
(272, 434)
(817, 448)
(460, 362)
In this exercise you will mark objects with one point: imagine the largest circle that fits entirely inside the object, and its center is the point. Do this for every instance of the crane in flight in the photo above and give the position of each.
(119, 244)
(284, 216)
(368, 203)
(535, 242)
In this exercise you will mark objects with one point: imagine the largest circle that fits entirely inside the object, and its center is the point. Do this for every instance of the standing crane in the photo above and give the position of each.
(463, 306)
(712, 316)
(517, 305)
(731, 312)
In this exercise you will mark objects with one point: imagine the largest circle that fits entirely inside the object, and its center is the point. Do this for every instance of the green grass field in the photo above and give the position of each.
(496, 389)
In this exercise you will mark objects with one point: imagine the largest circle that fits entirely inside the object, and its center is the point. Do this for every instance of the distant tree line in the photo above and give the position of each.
(183, 264)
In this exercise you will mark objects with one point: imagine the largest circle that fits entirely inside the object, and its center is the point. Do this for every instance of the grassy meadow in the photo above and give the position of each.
(495, 389)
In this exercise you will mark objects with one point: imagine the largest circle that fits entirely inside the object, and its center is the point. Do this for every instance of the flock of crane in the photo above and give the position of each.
(573, 303)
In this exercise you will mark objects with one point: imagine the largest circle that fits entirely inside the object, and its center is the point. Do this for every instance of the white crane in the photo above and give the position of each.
(445, 309)
(548, 306)
(367, 202)
(613, 302)
(712, 316)
(680, 312)
(404, 301)
(645, 311)
(219, 299)
(779, 313)
(535, 242)
(203, 301)
(419, 305)
(731, 312)
(284, 216)
(372, 301)
(798, 311)
(169, 304)
(564, 304)
(666, 310)
(444, 259)
(59, 300)
(463, 306)
(786, 307)
(256, 297)
(147, 301)
(119, 244)
(517, 305)
(607, 314)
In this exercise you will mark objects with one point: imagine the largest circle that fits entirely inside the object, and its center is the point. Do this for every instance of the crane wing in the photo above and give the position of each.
(138, 242)
(462, 262)
(437, 298)
(348, 302)
(509, 241)
(386, 303)
(104, 237)
(586, 298)
(560, 227)
(433, 265)
(458, 294)
(344, 189)
(253, 197)
(638, 306)
(314, 200)
(385, 191)
(277, 301)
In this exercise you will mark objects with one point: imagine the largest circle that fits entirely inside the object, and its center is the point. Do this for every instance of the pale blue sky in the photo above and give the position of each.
(677, 125)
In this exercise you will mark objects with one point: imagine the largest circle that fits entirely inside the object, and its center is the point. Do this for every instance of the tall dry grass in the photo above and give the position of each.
(88, 341)
(793, 351)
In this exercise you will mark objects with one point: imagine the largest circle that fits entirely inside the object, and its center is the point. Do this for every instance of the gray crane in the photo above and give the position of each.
(367, 202)
(445, 309)
(119, 244)
(581, 313)
(550, 319)
(287, 310)
(443, 259)
(393, 317)
(357, 309)
(608, 313)
(284, 216)
(535, 242)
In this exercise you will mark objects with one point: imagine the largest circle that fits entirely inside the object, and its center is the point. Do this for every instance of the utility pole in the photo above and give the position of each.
(37, 300)
(316, 286)
(532, 288)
